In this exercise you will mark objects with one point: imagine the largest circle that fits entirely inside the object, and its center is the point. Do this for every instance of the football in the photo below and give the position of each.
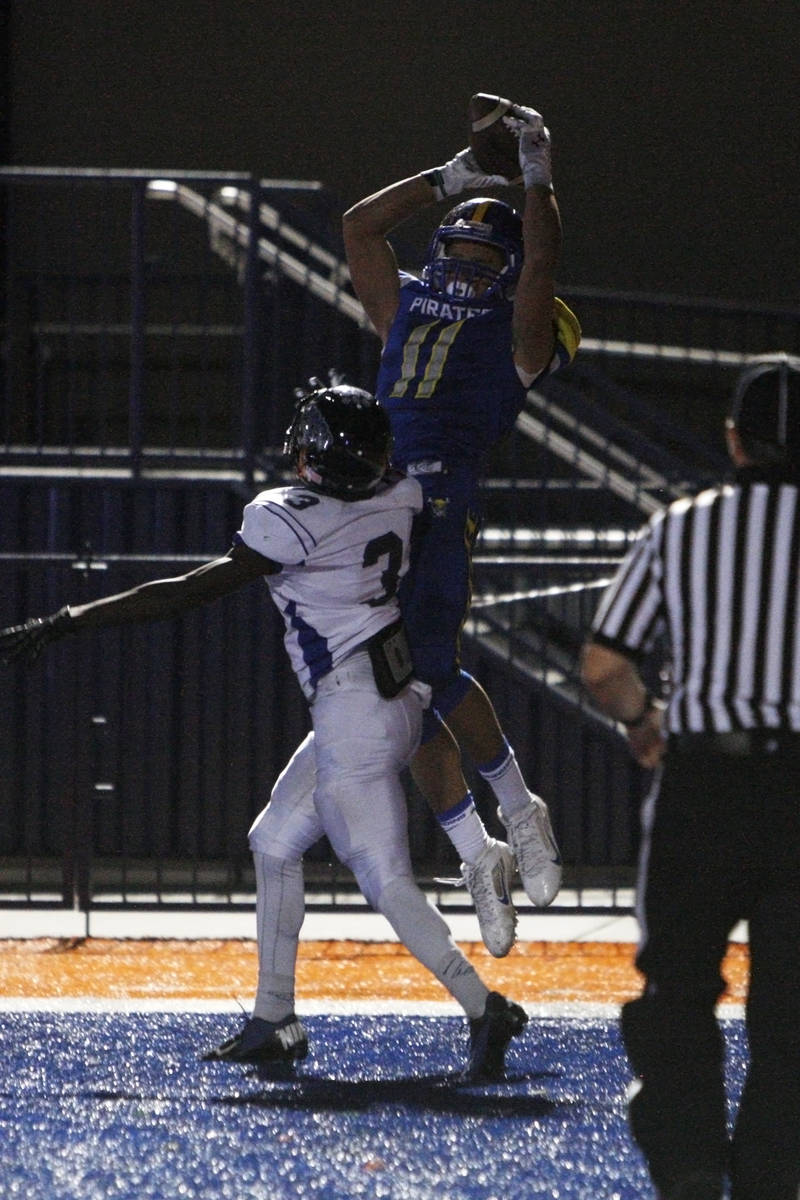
(495, 146)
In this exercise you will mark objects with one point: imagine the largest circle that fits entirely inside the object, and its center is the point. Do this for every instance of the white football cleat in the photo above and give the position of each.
(530, 836)
(488, 881)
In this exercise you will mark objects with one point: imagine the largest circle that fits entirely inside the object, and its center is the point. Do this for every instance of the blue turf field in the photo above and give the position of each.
(117, 1106)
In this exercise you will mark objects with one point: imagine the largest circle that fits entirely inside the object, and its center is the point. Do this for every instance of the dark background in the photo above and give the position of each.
(675, 125)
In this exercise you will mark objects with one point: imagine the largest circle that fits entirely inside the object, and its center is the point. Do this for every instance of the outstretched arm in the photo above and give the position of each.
(532, 329)
(370, 257)
(533, 333)
(156, 600)
(161, 598)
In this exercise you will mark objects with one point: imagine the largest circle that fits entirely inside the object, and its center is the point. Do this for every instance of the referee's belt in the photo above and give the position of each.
(741, 743)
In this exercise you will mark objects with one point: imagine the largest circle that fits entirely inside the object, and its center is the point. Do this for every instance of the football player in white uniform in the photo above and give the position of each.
(332, 548)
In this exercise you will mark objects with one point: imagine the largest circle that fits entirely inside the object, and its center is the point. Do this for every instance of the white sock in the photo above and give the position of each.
(280, 907)
(466, 830)
(505, 779)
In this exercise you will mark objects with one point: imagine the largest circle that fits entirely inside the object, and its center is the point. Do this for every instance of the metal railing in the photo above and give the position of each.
(136, 758)
(127, 338)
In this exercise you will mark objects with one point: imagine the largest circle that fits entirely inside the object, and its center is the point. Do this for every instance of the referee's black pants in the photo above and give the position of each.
(721, 843)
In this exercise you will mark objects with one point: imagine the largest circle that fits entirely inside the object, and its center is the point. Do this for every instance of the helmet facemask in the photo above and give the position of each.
(464, 278)
(486, 223)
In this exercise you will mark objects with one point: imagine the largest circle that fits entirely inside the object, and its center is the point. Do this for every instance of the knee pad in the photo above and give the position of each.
(285, 834)
(289, 824)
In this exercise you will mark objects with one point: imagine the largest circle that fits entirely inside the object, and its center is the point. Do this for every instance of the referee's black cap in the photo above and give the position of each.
(765, 405)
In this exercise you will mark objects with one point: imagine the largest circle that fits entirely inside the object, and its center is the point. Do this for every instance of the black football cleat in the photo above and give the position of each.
(263, 1041)
(489, 1036)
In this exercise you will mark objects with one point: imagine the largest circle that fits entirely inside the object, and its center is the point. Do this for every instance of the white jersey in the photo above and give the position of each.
(341, 561)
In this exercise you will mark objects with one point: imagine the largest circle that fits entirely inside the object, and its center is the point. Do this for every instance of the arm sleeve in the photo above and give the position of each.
(163, 598)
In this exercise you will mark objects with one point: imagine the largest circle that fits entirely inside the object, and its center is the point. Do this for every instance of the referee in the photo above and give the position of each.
(714, 583)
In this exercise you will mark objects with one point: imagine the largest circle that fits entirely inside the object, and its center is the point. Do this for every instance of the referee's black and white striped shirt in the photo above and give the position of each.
(720, 575)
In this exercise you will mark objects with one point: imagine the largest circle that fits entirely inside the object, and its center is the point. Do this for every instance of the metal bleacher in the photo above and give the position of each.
(154, 327)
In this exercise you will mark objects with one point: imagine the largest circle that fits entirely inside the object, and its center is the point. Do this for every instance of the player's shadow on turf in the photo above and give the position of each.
(446, 1093)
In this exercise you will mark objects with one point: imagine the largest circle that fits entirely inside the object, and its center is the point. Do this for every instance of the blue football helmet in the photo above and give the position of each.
(490, 223)
(339, 440)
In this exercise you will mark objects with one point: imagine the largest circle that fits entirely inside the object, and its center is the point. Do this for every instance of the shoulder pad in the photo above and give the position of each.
(407, 279)
(568, 329)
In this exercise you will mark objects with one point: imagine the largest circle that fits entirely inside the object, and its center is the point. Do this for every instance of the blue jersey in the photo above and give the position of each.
(447, 376)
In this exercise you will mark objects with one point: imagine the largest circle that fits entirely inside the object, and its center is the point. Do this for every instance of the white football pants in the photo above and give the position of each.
(344, 781)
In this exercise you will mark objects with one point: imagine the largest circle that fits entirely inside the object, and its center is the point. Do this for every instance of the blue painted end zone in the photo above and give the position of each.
(117, 1106)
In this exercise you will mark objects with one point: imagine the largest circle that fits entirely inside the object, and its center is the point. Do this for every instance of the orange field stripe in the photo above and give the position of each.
(533, 972)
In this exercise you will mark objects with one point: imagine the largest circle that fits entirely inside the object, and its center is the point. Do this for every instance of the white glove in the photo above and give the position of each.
(534, 146)
(459, 173)
(520, 118)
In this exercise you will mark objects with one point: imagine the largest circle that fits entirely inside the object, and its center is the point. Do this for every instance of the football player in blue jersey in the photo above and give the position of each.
(332, 547)
(461, 347)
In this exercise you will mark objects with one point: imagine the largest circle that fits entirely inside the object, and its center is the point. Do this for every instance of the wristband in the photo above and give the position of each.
(434, 178)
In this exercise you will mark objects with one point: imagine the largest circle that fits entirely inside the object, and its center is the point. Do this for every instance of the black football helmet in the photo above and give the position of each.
(339, 440)
(490, 222)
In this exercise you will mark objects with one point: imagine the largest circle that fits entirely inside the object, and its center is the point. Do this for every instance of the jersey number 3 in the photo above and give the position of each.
(389, 546)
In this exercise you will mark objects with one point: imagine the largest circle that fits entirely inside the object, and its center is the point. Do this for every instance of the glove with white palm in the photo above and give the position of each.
(460, 173)
(534, 146)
